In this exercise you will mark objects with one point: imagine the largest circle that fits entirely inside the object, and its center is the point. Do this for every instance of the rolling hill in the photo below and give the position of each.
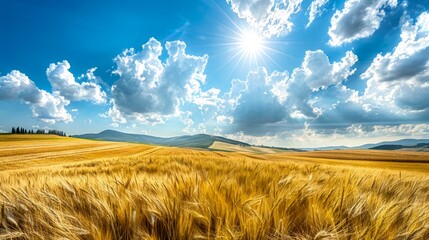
(386, 145)
(403, 142)
(195, 141)
(422, 147)
(224, 144)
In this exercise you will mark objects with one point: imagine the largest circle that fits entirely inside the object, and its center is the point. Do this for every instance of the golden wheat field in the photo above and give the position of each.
(65, 188)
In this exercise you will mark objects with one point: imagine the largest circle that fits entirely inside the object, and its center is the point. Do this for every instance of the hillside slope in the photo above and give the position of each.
(195, 141)
(403, 142)
(386, 145)
(421, 147)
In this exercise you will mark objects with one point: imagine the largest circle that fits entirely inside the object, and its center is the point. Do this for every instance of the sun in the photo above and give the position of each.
(243, 47)
(246, 48)
(251, 42)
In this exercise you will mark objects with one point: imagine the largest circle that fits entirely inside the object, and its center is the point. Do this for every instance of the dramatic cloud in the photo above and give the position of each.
(149, 90)
(358, 19)
(315, 10)
(318, 72)
(50, 107)
(263, 100)
(314, 76)
(63, 81)
(401, 78)
(270, 18)
(341, 107)
(394, 130)
(46, 107)
(255, 105)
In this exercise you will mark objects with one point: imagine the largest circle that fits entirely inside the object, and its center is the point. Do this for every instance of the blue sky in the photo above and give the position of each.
(286, 73)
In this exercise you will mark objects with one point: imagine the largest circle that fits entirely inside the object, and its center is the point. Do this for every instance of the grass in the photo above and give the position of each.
(65, 188)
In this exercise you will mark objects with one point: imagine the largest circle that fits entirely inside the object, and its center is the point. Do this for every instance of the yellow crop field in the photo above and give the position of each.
(65, 188)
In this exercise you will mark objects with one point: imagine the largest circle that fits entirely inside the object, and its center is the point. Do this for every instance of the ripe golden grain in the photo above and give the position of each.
(53, 188)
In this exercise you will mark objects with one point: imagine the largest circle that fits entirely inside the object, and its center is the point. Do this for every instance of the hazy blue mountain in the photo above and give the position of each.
(197, 141)
(326, 148)
(402, 142)
(420, 146)
(204, 141)
(392, 145)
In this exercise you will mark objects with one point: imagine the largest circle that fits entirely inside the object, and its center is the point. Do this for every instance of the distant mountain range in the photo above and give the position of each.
(386, 145)
(194, 141)
(205, 141)
(417, 147)
(402, 142)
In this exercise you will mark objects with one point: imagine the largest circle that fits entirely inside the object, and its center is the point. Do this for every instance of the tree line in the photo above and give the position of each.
(20, 130)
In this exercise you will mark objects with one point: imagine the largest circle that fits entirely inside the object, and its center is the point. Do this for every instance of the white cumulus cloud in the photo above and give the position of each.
(401, 78)
(315, 10)
(149, 90)
(63, 81)
(49, 108)
(314, 76)
(263, 100)
(358, 19)
(270, 18)
(256, 105)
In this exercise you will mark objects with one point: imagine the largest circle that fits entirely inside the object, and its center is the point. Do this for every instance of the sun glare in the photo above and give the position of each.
(246, 46)
(251, 43)
(249, 47)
